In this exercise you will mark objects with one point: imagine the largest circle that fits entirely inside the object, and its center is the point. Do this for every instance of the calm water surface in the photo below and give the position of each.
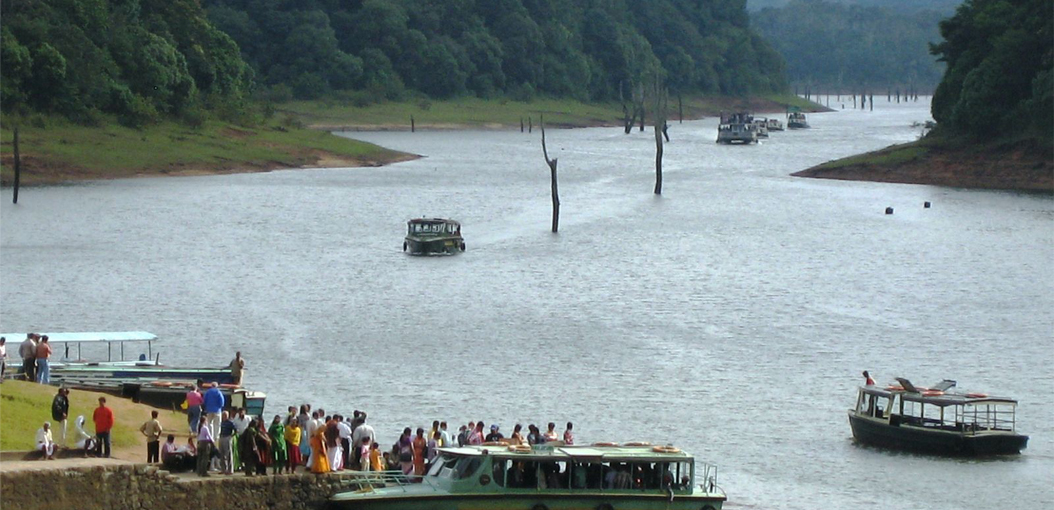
(730, 316)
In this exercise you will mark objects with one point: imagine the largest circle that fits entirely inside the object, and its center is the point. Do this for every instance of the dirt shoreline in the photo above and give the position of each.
(1020, 167)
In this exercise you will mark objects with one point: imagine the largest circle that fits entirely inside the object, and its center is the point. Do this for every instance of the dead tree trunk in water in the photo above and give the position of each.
(552, 177)
(659, 115)
(18, 168)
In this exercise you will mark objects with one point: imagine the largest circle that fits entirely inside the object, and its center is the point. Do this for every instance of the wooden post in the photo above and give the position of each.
(872, 102)
(18, 168)
(530, 124)
(680, 109)
(521, 124)
(552, 179)
(412, 127)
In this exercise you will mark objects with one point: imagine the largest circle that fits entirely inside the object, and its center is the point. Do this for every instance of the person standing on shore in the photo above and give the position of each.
(293, 436)
(362, 432)
(406, 452)
(152, 430)
(237, 368)
(214, 401)
(376, 461)
(45, 442)
(103, 419)
(227, 445)
(3, 358)
(344, 434)
(319, 460)
(278, 450)
(205, 443)
(28, 351)
(60, 410)
(194, 401)
(43, 361)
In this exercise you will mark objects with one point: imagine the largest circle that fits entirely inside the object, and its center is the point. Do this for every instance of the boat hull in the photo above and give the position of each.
(797, 125)
(529, 501)
(943, 442)
(436, 246)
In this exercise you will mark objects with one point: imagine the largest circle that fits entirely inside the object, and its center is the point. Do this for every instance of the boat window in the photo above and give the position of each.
(499, 469)
(467, 467)
(553, 475)
(521, 475)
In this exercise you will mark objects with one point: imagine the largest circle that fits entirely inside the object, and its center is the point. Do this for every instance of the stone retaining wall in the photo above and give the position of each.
(140, 486)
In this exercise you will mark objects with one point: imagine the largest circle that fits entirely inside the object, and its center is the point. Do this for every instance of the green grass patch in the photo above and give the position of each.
(54, 149)
(25, 406)
(892, 156)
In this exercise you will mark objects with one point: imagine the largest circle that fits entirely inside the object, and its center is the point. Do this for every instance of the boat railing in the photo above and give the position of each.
(709, 476)
(369, 481)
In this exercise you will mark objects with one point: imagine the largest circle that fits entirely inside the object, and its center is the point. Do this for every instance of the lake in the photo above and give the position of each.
(730, 316)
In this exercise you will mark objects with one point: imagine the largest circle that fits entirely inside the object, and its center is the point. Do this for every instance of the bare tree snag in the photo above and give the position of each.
(659, 115)
(18, 168)
(552, 177)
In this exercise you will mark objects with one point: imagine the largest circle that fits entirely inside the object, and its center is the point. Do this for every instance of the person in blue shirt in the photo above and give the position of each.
(214, 403)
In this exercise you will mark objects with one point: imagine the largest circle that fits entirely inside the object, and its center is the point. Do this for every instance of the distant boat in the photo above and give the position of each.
(737, 128)
(935, 420)
(774, 124)
(433, 236)
(762, 126)
(796, 120)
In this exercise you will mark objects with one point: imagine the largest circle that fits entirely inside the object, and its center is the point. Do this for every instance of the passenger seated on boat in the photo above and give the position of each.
(623, 479)
(579, 476)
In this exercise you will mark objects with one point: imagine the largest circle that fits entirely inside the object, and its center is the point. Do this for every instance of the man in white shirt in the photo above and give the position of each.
(45, 443)
(241, 422)
(362, 431)
(344, 432)
(444, 436)
(312, 427)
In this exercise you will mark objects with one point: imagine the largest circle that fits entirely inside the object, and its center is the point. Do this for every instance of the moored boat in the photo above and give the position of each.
(433, 236)
(547, 477)
(761, 124)
(774, 124)
(796, 120)
(935, 420)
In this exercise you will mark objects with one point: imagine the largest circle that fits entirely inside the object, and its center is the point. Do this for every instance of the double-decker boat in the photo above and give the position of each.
(935, 420)
(433, 236)
(737, 128)
(544, 477)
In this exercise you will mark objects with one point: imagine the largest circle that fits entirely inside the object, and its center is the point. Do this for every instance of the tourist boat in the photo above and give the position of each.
(762, 127)
(116, 366)
(737, 128)
(544, 477)
(433, 236)
(774, 124)
(796, 120)
(935, 420)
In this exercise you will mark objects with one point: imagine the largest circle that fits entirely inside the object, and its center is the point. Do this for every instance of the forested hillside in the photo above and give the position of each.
(832, 46)
(1000, 56)
(946, 7)
(516, 48)
(138, 59)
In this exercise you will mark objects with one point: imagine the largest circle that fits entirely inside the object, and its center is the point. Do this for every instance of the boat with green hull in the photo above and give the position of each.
(544, 477)
(433, 236)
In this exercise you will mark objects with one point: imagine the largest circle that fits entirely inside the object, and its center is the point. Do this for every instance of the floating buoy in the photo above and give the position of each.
(889, 210)
(926, 205)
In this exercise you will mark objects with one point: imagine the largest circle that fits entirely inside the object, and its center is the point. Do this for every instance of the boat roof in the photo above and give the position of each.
(431, 220)
(577, 453)
(89, 337)
(937, 398)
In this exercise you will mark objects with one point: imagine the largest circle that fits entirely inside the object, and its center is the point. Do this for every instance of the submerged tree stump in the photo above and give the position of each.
(552, 179)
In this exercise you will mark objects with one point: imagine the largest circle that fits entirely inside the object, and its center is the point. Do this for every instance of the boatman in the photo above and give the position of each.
(237, 368)
(868, 380)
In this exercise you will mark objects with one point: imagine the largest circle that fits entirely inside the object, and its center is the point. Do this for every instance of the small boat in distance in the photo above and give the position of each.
(935, 420)
(604, 476)
(761, 124)
(737, 128)
(796, 120)
(433, 236)
(774, 124)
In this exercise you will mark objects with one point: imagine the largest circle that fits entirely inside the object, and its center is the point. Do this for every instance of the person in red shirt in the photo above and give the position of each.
(103, 418)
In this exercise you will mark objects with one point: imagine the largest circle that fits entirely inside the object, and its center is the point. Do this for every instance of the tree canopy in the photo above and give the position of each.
(519, 48)
(841, 47)
(136, 58)
(999, 54)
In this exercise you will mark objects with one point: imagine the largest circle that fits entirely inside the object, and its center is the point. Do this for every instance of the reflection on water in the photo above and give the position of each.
(730, 316)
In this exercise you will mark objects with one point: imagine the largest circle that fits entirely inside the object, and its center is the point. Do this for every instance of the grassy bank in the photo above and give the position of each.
(475, 113)
(25, 406)
(54, 150)
(944, 160)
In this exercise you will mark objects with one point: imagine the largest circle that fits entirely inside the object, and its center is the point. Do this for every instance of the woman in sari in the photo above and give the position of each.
(320, 463)
(420, 445)
(278, 449)
(406, 452)
(292, 444)
(248, 452)
(263, 447)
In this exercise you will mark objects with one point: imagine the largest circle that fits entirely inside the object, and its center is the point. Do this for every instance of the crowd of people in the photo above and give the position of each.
(35, 352)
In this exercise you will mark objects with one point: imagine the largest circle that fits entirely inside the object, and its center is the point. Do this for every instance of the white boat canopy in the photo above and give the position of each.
(79, 338)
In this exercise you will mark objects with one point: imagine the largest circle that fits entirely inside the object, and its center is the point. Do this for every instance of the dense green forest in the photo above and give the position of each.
(138, 59)
(1000, 56)
(517, 48)
(946, 7)
(852, 48)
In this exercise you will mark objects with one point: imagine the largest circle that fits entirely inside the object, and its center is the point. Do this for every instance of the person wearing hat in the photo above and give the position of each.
(494, 435)
(45, 442)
